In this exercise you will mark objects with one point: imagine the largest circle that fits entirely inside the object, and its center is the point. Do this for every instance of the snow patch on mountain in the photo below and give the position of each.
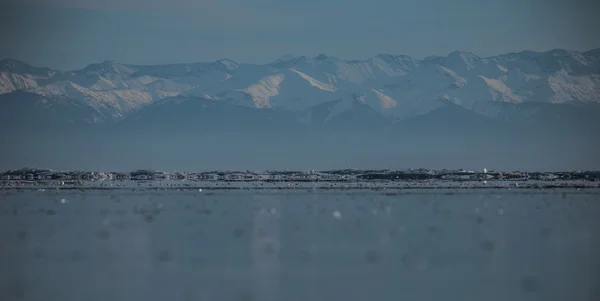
(266, 88)
(502, 68)
(385, 101)
(315, 83)
(573, 88)
(10, 82)
(459, 82)
(499, 91)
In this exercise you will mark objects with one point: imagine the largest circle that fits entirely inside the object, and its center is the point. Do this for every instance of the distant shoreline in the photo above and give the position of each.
(291, 180)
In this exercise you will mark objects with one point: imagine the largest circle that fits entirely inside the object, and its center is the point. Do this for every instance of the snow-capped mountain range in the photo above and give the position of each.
(395, 87)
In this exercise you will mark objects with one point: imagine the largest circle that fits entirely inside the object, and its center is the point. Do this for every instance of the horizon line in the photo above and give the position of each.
(292, 57)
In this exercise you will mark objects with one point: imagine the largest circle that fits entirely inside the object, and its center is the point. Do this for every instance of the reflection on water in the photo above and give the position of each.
(266, 264)
(300, 245)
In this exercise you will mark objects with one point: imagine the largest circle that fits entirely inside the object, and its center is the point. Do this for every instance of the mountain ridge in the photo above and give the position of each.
(591, 52)
(389, 87)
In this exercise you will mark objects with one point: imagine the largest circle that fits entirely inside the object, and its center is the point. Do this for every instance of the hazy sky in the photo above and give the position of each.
(69, 34)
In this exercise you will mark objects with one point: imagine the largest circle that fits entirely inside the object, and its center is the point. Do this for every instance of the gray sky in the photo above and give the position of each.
(69, 34)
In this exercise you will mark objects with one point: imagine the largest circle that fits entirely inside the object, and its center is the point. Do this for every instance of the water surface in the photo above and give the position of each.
(277, 245)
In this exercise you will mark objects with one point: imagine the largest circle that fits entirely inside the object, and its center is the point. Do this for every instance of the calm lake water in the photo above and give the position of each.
(276, 245)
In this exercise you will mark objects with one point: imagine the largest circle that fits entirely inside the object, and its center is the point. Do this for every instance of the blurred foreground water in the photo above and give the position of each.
(280, 245)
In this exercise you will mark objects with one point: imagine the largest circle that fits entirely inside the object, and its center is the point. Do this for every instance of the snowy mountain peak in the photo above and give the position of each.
(229, 64)
(323, 57)
(19, 67)
(467, 58)
(396, 86)
(108, 67)
(394, 57)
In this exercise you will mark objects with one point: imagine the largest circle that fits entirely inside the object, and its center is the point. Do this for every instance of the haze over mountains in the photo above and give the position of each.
(523, 104)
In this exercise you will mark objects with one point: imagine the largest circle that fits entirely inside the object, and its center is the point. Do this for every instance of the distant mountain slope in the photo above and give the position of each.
(453, 120)
(527, 110)
(573, 118)
(345, 114)
(196, 114)
(395, 86)
(25, 110)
